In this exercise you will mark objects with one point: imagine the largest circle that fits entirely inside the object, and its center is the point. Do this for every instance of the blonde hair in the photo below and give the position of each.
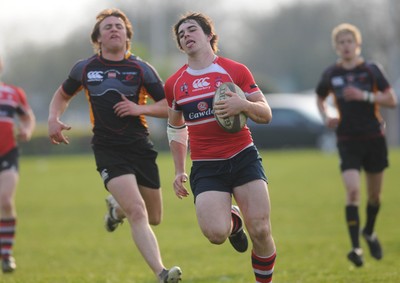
(346, 28)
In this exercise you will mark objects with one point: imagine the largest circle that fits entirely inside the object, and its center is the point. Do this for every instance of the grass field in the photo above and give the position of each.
(61, 239)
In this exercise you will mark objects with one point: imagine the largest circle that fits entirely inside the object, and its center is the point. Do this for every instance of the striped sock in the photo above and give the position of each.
(263, 267)
(236, 223)
(7, 236)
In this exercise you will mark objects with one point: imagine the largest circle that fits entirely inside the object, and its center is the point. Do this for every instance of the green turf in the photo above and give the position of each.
(61, 238)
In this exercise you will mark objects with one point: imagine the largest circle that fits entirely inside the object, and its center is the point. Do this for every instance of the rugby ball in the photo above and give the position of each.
(232, 124)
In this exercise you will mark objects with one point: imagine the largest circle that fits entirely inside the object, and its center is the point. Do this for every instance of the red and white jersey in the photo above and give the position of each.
(192, 92)
(12, 101)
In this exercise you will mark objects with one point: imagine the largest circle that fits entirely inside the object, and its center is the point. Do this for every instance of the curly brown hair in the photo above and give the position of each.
(108, 13)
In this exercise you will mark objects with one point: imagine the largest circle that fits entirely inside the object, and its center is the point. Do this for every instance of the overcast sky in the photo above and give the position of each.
(48, 21)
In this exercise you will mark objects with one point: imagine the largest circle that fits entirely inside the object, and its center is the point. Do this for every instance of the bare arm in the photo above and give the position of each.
(386, 98)
(126, 107)
(58, 105)
(179, 153)
(330, 121)
(27, 123)
(258, 109)
(255, 107)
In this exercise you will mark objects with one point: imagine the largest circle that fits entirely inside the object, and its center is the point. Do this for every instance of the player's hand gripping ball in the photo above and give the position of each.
(232, 124)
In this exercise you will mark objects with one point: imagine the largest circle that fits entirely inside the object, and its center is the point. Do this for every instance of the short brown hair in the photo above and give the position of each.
(105, 14)
(204, 22)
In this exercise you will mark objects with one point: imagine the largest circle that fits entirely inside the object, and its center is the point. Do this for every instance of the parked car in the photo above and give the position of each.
(296, 123)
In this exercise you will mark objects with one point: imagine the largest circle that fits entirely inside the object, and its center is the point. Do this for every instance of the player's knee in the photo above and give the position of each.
(216, 237)
(259, 229)
(135, 213)
(351, 200)
(6, 205)
(216, 240)
(353, 196)
(155, 220)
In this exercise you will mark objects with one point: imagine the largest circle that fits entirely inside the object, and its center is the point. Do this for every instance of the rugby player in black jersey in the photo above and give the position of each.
(358, 89)
(117, 85)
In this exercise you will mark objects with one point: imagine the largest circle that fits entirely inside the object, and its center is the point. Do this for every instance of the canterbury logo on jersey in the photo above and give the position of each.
(95, 76)
(337, 81)
(200, 83)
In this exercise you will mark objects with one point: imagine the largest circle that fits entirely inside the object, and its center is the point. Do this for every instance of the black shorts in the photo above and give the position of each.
(371, 155)
(224, 175)
(138, 159)
(10, 160)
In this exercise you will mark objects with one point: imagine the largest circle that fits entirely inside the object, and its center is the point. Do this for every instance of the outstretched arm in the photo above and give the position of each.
(58, 105)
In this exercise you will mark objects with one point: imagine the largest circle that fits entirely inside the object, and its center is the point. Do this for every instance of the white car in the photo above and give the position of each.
(296, 123)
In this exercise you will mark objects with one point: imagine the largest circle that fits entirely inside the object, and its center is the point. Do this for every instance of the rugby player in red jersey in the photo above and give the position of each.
(13, 104)
(225, 165)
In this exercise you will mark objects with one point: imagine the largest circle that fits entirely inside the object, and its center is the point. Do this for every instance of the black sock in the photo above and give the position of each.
(372, 212)
(353, 224)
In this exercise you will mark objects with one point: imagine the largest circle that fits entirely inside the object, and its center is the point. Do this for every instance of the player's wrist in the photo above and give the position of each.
(369, 96)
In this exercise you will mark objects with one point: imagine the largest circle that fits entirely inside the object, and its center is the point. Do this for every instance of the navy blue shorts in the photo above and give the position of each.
(371, 155)
(114, 161)
(224, 175)
(10, 160)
